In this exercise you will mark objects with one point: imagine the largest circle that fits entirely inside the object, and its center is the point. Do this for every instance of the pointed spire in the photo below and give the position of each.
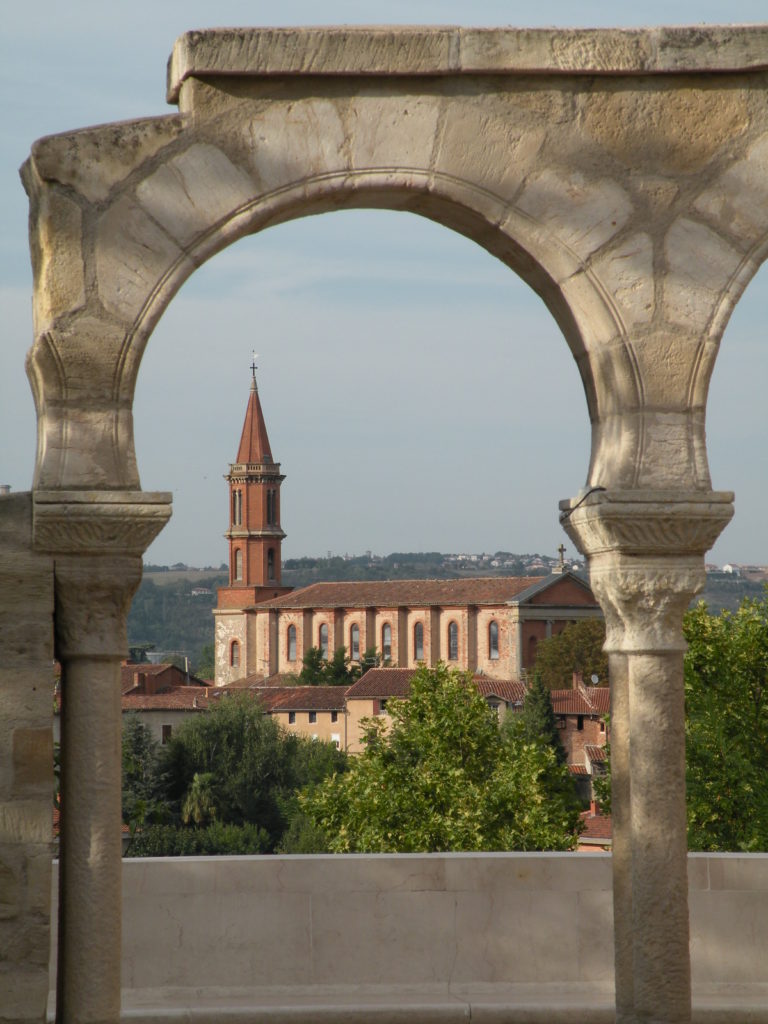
(254, 443)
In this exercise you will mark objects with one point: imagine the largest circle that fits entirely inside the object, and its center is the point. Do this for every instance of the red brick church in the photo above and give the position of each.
(485, 625)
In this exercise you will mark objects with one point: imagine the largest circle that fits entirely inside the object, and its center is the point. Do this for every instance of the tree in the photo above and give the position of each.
(206, 663)
(236, 766)
(142, 800)
(537, 719)
(579, 648)
(320, 671)
(444, 778)
(313, 666)
(726, 696)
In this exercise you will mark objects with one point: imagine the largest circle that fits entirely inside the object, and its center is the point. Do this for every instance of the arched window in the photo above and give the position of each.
(238, 564)
(418, 642)
(237, 508)
(453, 641)
(270, 507)
(271, 564)
(386, 641)
(291, 643)
(354, 642)
(493, 641)
(234, 654)
(323, 641)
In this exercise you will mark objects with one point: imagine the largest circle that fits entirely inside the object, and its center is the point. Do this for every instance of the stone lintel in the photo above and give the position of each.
(451, 50)
(98, 522)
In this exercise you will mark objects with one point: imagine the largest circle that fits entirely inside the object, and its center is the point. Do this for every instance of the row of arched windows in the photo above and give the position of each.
(386, 641)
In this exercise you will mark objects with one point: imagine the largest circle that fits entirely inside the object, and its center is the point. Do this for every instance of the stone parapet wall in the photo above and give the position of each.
(418, 931)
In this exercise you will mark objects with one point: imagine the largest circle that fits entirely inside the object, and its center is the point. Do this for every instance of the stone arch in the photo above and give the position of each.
(522, 242)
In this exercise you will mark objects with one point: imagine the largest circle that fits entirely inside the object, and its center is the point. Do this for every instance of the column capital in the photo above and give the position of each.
(646, 558)
(97, 539)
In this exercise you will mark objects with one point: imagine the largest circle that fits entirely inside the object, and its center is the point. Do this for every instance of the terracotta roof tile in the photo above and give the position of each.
(396, 682)
(577, 769)
(581, 702)
(596, 826)
(301, 698)
(595, 754)
(495, 590)
(180, 698)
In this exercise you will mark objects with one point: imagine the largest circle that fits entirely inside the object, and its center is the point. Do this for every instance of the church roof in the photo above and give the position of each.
(492, 590)
(254, 443)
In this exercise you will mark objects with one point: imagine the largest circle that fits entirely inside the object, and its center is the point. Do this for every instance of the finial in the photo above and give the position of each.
(561, 551)
(254, 368)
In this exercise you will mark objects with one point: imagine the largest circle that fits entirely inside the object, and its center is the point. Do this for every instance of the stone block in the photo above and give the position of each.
(582, 213)
(700, 266)
(626, 272)
(289, 142)
(32, 758)
(26, 821)
(24, 990)
(133, 256)
(398, 132)
(92, 161)
(399, 939)
(655, 129)
(193, 191)
(737, 203)
(60, 286)
(11, 888)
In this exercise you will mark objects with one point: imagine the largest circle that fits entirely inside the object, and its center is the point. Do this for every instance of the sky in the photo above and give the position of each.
(403, 371)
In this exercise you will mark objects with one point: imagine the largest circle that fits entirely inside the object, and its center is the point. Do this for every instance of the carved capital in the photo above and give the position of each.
(98, 522)
(97, 539)
(646, 559)
(93, 596)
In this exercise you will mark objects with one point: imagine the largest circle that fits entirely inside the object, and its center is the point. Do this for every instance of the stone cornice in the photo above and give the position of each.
(445, 50)
(98, 522)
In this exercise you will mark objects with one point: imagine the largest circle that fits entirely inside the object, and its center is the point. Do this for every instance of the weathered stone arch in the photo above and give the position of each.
(622, 174)
(163, 236)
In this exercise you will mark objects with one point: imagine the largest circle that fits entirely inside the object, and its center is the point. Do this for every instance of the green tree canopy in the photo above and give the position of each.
(579, 648)
(234, 765)
(726, 695)
(336, 671)
(537, 719)
(444, 778)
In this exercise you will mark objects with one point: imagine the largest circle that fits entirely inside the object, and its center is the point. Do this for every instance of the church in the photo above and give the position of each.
(489, 626)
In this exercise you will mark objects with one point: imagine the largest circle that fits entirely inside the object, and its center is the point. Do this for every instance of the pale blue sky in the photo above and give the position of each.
(403, 370)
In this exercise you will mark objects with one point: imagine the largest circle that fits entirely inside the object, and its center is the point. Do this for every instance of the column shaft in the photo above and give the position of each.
(88, 986)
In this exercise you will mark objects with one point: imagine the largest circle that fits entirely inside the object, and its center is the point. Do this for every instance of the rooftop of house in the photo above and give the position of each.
(581, 701)
(301, 698)
(396, 682)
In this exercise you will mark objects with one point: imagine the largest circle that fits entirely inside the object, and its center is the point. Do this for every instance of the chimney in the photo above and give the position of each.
(578, 680)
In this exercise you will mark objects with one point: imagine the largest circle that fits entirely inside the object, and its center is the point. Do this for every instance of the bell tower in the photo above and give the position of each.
(254, 534)
(255, 538)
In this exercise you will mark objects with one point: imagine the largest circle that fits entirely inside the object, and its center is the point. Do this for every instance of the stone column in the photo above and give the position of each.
(646, 561)
(97, 540)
